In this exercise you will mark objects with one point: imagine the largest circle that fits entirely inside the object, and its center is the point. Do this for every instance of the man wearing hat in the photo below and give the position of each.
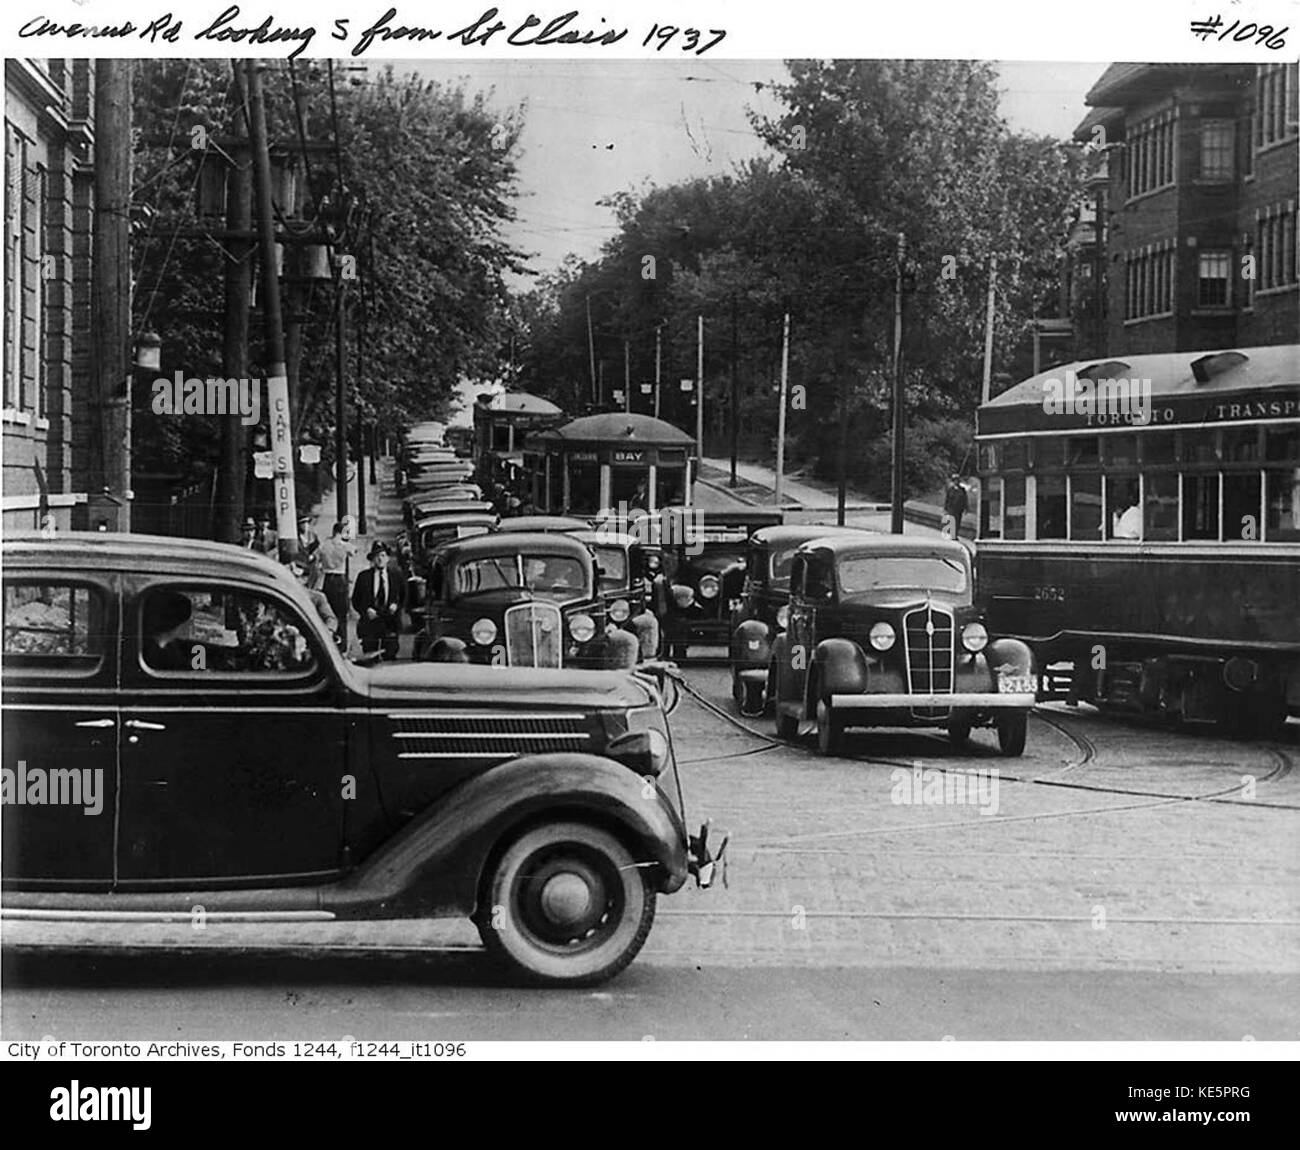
(248, 535)
(377, 598)
(166, 615)
(309, 552)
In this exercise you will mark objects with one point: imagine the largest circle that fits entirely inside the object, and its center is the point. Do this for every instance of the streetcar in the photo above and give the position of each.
(1144, 539)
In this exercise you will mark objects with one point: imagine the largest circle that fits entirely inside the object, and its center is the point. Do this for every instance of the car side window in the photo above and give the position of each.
(817, 585)
(197, 630)
(796, 575)
(55, 629)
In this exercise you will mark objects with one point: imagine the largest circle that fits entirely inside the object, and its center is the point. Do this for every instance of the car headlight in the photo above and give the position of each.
(582, 627)
(619, 610)
(974, 637)
(683, 596)
(881, 636)
(483, 632)
(709, 586)
(783, 616)
(644, 746)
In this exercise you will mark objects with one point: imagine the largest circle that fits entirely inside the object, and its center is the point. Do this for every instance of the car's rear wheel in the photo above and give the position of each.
(1012, 728)
(566, 905)
(787, 726)
(830, 729)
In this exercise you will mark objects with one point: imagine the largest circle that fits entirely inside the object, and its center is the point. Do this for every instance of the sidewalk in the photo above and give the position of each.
(812, 500)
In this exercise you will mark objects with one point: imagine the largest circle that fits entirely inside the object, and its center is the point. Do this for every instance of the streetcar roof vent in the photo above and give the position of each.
(1208, 366)
(1109, 369)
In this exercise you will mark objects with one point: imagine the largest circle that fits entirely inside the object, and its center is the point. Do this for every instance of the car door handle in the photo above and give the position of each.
(98, 723)
(141, 725)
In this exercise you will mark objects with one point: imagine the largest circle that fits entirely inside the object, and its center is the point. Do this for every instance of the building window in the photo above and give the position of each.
(1212, 279)
(1276, 247)
(1151, 155)
(1150, 284)
(15, 160)
(1275, 115)
(1217, 147)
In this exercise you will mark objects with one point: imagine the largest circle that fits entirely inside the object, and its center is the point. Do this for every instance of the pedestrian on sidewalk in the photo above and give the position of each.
(335, 559)
(377, 598)
(299, 570)
(955, 501)
(309, 551)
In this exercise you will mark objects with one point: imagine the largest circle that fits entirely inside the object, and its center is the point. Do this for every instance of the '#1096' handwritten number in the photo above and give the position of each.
(690, 38)
(1265, 34)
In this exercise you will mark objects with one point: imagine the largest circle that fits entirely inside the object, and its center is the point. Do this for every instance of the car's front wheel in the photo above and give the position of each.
(1012, 728)
(566, 905)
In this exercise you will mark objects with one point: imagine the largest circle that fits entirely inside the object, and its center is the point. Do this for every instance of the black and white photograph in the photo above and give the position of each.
(548, 528)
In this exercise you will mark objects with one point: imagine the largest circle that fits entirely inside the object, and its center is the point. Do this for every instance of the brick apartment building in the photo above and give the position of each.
(1195, 198)
(48, 205)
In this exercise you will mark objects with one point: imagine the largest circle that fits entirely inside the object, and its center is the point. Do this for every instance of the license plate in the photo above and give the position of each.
(1016, 685)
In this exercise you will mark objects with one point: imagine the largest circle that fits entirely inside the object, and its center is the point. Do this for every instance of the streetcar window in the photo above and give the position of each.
(1049, 507)
(988, 457)
(1013, 499)
(991, 510)
(1123, 508)
(1160, 515)
(1085, 507)
(584, 485)
(670, 484)
(1015, 456)
(1241, 507)
(1282, 444)
(1283, 509)
(1200, 447)
(1084, 451)
(1200, 506)
(1121, 450)
(1159, 447)
(1240, 444)
(1049, 453)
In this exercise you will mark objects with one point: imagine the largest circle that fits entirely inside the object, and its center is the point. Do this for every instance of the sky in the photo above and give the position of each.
(594, 128)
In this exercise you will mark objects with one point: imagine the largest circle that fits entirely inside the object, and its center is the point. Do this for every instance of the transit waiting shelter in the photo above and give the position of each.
(600, 461)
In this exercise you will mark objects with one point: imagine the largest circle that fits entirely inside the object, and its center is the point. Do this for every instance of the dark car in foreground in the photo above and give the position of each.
(179, 723)
(763, 609)
(882, 632)
(515, 599)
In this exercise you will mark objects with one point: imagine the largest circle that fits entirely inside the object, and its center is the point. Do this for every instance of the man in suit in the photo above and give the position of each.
(377, 597)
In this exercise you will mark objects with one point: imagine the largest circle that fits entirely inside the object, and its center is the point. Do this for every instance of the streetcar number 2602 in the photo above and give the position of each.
(1052, 594)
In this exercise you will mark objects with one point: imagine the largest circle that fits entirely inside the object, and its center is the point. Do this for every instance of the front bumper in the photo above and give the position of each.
(963, 700)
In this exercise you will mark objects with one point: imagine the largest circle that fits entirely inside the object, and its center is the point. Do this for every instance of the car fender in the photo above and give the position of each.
(841, 667)
(751, 645)
(436, 864)
(1009, 656)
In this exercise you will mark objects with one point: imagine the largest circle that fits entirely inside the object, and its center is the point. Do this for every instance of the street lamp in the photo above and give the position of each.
(148, 351)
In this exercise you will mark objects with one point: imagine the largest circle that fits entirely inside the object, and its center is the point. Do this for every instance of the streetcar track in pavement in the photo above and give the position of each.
(1086, 748)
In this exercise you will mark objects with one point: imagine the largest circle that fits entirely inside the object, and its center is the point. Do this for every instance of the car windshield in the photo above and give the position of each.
(717, 558)
(781, 562)
(861, 573)
(613, 568)
(547, 576)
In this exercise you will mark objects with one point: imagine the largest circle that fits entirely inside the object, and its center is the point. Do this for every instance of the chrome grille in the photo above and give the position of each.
(928, 642)
(534, 635)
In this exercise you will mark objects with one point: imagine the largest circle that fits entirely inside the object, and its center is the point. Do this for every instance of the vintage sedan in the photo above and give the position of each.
(624, 585)
(704, 561)
(417, 506)
(882, 632)
(177, 721)
(515, 599)
(762, 610)
(446, 524)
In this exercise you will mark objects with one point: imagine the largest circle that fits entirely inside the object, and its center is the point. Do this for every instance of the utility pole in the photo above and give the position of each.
(277, 383)
(591, 355)
(735, 392)
(896, 516)
(627, 376)
(780, 414)
(988, 333)
(361, 475)
(600, 385)
(659, 330)
(232, 468)
(699, 391)
(842, 462)
(340, 400)
(110, 298)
